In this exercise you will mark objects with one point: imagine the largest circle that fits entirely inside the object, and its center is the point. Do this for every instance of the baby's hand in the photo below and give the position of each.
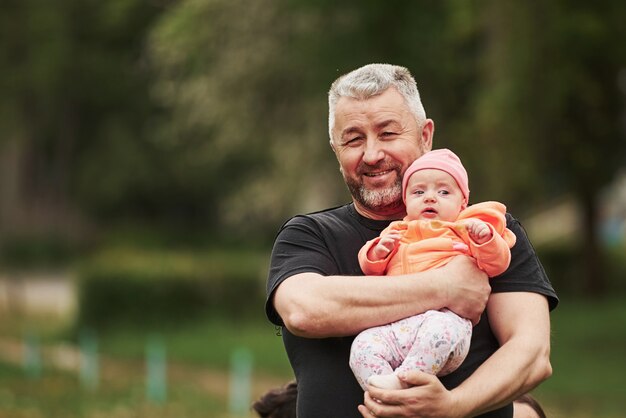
(479, 231)
(386, 245)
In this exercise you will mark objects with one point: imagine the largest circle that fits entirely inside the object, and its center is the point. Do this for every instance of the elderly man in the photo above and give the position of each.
(318, 294)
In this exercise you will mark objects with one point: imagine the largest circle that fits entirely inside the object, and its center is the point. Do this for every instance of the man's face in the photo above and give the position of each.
(375, 140)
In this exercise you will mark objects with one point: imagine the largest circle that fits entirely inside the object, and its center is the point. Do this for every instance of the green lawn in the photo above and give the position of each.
(208, 343)
(59, 395)
(589, 341)
(199, 365)
(588, 359)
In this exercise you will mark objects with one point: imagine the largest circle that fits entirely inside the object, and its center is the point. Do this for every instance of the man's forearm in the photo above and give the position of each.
(521, 323)
(316, 306)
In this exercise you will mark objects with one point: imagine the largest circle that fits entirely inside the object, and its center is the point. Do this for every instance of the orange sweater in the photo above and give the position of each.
(429, 244)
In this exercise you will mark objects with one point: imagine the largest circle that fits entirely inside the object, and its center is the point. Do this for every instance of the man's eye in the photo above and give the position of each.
(353, 141)
(388, 134)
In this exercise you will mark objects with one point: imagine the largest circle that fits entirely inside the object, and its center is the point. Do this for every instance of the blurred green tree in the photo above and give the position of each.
(74, 110)
(549, 113)
(242, 126)
(211, 114)
(244, 90)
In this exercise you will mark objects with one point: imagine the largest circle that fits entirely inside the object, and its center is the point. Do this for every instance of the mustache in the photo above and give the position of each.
(382, 166)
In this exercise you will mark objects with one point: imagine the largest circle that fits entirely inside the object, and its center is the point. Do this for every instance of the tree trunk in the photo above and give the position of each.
(10, 198)
(594, 280)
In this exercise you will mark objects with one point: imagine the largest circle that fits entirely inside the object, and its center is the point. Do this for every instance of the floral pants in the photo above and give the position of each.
(435, 342)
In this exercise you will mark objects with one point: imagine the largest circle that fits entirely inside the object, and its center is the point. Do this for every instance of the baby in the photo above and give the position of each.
(438, 226)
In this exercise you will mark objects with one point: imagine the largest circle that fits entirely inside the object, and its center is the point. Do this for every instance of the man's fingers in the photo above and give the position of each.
(376, 396)
(416, 378)
(366, 413)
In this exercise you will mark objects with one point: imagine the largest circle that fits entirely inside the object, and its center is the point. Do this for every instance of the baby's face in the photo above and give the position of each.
(433, 194)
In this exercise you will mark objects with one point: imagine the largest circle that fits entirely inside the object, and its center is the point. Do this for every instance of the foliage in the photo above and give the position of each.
(74, 112)
(554, 111)
(564, 264)
(136, 287)
(41, 252)
(234, 92)
(210, 115)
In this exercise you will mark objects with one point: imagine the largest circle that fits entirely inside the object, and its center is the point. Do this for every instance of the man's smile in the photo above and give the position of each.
(377, 173)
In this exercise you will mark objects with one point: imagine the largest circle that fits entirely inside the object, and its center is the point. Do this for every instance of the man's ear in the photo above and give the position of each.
(332, 145)
(427, 134)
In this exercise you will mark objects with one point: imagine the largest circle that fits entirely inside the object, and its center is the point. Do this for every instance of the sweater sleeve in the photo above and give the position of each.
(493, 256)
(370, 267)
(376, 267)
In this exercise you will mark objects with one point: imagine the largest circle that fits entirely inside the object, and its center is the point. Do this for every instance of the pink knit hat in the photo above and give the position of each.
(441, 159)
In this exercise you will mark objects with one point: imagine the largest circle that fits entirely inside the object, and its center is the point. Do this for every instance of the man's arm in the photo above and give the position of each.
(520, 321)
(315, 306)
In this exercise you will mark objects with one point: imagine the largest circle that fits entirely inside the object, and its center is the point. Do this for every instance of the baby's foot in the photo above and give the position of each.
(386, 381)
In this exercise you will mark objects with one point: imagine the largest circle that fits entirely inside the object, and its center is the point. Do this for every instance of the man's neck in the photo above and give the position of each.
(389, 213)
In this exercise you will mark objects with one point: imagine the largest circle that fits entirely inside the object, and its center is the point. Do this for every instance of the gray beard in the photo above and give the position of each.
(377, 200)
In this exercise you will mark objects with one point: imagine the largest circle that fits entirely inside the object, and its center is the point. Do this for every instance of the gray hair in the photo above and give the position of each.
(372, 80)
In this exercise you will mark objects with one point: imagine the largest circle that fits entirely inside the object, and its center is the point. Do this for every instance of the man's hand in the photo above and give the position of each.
(467, 288)
(427, 398)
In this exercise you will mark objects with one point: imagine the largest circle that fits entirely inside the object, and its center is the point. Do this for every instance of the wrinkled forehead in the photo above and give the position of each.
(376, 107)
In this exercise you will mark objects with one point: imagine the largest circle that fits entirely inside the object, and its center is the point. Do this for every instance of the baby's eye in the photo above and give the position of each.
(444, 192)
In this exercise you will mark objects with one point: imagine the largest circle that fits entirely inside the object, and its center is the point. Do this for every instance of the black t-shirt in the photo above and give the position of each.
(327, 243)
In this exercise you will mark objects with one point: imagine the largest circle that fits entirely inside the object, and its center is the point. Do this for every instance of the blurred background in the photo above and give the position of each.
(150, 150)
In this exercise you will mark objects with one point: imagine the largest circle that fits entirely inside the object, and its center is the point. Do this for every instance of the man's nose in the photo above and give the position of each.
(373, 152)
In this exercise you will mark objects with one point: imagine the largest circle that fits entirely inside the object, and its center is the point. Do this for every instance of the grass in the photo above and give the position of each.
(588, 342)
(208, 343)
(199, 361)
(59, 395)
(589, 338)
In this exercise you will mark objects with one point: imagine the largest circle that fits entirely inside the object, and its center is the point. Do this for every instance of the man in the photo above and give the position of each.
(526, 406)
(317, 293)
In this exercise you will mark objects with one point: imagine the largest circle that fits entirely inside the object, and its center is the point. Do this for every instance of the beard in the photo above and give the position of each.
(385, 199)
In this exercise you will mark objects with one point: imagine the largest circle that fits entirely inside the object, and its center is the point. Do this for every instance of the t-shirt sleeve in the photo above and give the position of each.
(299, 248)
(525, 273)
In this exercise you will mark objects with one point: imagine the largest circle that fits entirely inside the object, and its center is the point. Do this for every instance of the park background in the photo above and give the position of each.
(150, 150)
